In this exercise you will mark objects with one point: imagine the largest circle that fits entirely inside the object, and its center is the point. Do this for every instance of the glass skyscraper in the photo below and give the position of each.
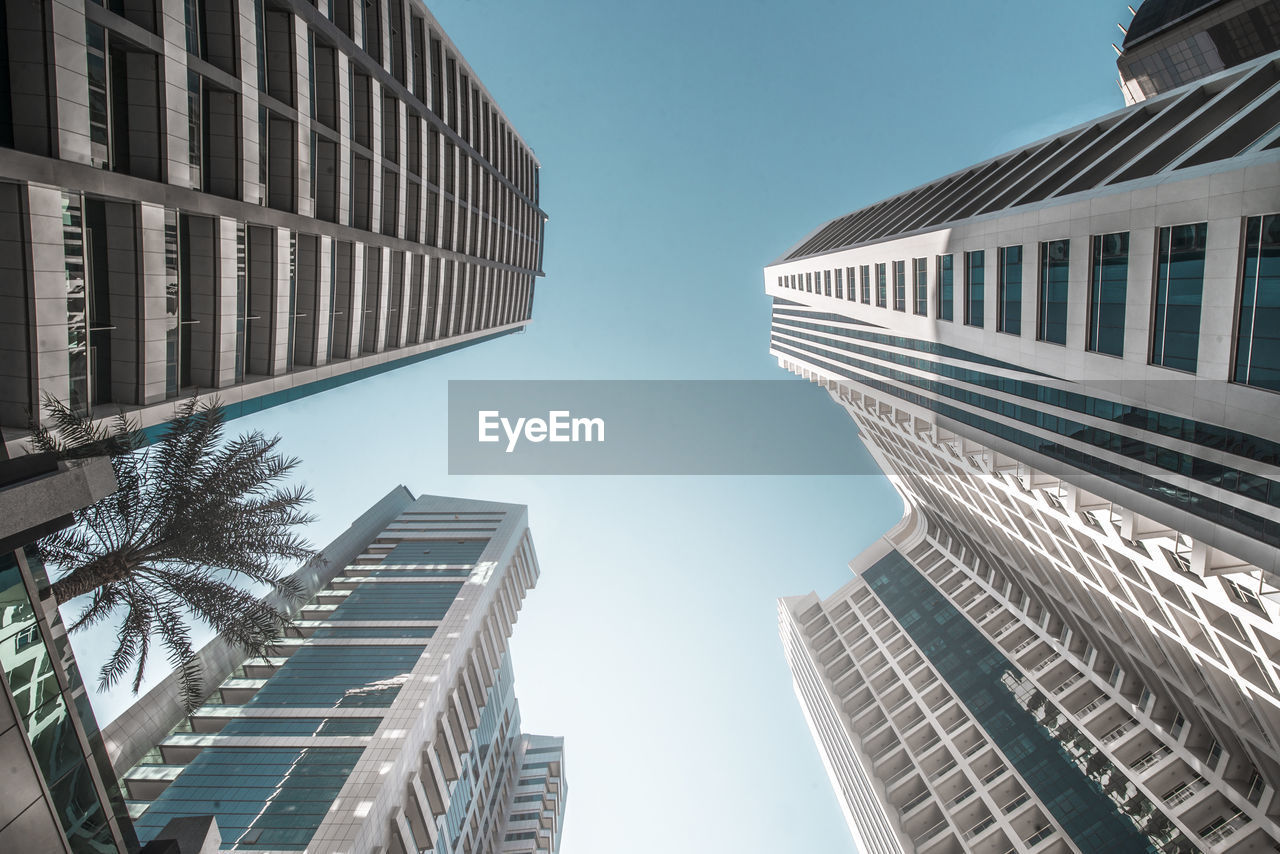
(1069, 641)
(391, 725)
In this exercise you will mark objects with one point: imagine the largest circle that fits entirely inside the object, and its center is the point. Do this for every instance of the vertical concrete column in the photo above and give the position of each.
(382, 318)
(357, 298)
(176, 126)
(399, 279)
(227, 303)
(1218, 308)
(375, 143)
(302, 62)
(70, 70)
(1138, 293)
(344, 136)
(418, 265)
(251, 154)
(324, 302)
(152, 330)
(48, 266)
(402, 177)
(1078, 294)
(282, 316)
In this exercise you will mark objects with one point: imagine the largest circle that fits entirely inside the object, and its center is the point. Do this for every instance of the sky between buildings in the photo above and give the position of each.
(684, 146)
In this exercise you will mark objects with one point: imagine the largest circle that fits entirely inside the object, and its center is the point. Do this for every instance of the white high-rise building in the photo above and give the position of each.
(391, 726)
(1066, 360)
(263, 199)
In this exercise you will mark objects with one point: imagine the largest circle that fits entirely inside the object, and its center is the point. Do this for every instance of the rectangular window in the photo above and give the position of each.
(1009, 291)
(1051, 318)
(849, 274)
(882, 286)
(921, 278)
(1108, 283)
(974, 281)
(808, 283)
(1175, 329)
(1257, 361)
(839, 283)
(827, 283)
(946, 287)
(899, 285)
(866, 284)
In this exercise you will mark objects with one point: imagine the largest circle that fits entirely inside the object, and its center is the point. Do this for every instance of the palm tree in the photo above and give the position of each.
(190, 515)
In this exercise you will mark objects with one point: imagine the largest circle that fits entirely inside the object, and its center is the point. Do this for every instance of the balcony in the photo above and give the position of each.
(1185, 792)
(1063, 687)
(1015, 803)
(1119, 731)
(1151, 758)
(961, 798)
(931, 832)
(1216, 833)
(1046, 663)
(1039, 836)
(922, 798)
(1091, 707)
(994, 775)
(979, 828)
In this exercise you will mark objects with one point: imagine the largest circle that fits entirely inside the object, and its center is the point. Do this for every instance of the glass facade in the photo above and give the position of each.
(263, 797)
(1175, 328)
(392, 600)
(1051, 314)
(339, 677)
(1108, 287)
(1009, 291)
(899, 285)
(977, 671)
(946, 287)
(920, 278)
(45, 711)
(1257, 354)
(974, 280)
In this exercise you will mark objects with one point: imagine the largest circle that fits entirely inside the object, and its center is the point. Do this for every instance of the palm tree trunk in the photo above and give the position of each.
(90, 577)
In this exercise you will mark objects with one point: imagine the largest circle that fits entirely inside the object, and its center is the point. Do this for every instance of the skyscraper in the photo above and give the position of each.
(262, 202)
(1065, 360)
(392, 725)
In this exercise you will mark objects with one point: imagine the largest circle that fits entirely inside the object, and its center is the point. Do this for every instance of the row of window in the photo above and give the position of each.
(1177, 294)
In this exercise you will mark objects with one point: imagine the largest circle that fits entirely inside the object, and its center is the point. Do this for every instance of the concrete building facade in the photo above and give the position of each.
(255, 198)
(390, 726)
(1065, 359)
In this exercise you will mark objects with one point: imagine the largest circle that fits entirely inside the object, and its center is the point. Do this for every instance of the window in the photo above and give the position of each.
(1108, 275)
(839, 283)
(1009, 291)
(849, 274)
(882, 287)
(974, 280)
(866, 284)
(827, 283)
(899, 285)
(921, 278)
(1242, 594)
(808, 283)
(1175, 329)
(946, 287)
(1051, 316)
(1257, 361)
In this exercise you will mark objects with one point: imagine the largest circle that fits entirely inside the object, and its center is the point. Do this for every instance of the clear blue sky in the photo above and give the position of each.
(683, 147)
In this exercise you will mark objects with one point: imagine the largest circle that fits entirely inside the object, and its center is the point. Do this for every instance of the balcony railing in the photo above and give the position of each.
(978, 828)
(919, 799)
(1048, 662)
(961, 798)
(1039, 836)
(1063, 687)
(1023, 647)
(1096, 704)
(1015, 803)
(944, 768)
(993, 775)
(1117, 732)
(931, 832)
(1185, 792)
(1152, 758)
(1229, 828)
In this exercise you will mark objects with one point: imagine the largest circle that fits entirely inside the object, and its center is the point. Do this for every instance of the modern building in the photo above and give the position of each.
(390, 726)
(60, 793)
(1173, 42)
(261, 200)
(1065, 359)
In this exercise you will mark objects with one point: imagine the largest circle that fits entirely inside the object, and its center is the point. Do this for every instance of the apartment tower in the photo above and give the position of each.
(259, 199)
(1065, 358)
(390, 726)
